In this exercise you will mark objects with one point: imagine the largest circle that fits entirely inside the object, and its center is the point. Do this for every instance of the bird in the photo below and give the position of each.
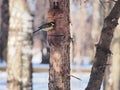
(45, 27)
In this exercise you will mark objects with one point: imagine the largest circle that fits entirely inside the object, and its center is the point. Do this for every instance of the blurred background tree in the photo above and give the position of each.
(84, 32)
(19, 48)
(40, 44)
(4, 28)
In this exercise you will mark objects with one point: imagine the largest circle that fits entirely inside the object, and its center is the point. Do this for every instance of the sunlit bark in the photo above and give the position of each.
(59, 40)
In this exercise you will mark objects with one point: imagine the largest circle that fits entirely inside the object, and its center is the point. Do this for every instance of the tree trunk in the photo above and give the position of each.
(59, 40)
(19, 47)
(107, 84)
(102, 48)
(4, 29)
(27, 21)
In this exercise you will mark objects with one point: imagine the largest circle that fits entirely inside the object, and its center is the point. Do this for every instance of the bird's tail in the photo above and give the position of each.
(36, 30)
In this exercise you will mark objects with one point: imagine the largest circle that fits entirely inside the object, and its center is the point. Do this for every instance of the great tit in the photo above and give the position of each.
(45, 27)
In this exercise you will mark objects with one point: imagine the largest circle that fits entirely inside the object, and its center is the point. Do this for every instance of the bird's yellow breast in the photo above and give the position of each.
(48, 28)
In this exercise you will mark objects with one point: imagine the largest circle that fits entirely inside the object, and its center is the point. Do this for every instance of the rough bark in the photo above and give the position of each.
(59, 40)
(4, 28)
(19, 46)
(103, 48)
(107, 84)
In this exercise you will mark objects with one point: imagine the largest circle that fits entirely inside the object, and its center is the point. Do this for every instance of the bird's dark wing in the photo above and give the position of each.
(42, 27)
(45, 26)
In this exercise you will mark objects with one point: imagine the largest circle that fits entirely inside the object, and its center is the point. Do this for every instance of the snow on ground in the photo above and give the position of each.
(40, 79)
(3, 76)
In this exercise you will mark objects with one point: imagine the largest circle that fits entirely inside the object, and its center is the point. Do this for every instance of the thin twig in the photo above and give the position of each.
(74, 76)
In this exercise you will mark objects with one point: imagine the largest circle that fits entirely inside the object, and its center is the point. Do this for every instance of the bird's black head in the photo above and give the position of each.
(52, 23)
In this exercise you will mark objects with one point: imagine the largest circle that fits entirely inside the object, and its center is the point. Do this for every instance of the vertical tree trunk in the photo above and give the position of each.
(19, 47)
(107, 77)
(27, 25)
(102, 48)
(59, 40)
(4, 29)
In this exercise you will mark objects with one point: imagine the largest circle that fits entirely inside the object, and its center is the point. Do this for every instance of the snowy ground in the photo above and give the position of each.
(40, 79)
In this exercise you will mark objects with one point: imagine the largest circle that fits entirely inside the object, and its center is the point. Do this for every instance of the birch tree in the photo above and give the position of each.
(19, 47)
